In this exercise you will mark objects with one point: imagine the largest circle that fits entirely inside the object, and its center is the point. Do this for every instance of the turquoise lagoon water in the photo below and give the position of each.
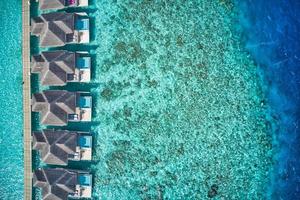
(11, 148)
(179, 111)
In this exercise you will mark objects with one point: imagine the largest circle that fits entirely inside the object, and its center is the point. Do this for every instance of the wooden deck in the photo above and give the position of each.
(26, 100)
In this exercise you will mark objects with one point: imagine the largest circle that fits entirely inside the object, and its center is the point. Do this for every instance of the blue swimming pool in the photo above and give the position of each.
(82, 24)
(85, 141)
(85, 102)
(84, 62)
(85, 180)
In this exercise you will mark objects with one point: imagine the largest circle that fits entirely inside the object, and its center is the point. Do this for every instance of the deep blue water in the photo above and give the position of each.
(271, 32)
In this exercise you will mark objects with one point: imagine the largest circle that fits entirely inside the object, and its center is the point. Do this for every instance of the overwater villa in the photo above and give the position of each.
(61, 4)
(59, 107)
(61, 28)
(62, 184)
(57, 147)
(57, 68)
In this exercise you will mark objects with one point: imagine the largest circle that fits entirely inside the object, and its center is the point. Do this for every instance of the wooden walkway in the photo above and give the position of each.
(26, 100)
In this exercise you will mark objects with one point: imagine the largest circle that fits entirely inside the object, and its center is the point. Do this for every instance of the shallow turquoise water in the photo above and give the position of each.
(11, 148)
(179, 112)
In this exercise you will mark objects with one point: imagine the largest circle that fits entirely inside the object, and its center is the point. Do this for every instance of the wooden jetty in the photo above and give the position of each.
(26, 99)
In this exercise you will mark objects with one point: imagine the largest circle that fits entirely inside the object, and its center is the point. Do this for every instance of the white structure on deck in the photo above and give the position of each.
(61, 4)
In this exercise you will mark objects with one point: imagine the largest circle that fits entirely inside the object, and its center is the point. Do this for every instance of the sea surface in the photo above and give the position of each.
(271, 32)
(11, 146)
(192, 99)
(180, 110)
